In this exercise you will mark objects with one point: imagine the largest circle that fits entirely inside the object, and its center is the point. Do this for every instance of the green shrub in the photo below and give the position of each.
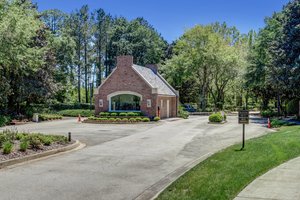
(76, 112)
(103, 119)
(3, 139)
(113, 114)
(224, 117)
(132, 119)
(34, 141)
(268, 113)
(156, 119)
(7, 147)
(46, 139)
(124, 120)
(24, 145)
(182, 113)
(46, 117)
(122, 114)
(118, 119)
(71, 106)
(215, 117)
(112, 119)
(146, 119)
(20, 136)
(4, 120)
(293, 107)
(131, 114)
(104, 114)
(138, 119)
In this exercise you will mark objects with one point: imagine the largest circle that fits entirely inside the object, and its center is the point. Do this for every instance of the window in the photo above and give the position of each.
(125, 102)
(148, 103)
(100, 102)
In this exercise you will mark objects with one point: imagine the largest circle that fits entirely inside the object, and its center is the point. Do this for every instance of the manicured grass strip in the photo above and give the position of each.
(226, 173)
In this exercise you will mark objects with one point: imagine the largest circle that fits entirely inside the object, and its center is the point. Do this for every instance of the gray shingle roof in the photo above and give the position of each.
(155, 80)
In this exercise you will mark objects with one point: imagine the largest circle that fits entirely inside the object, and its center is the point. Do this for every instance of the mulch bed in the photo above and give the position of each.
(16, 153)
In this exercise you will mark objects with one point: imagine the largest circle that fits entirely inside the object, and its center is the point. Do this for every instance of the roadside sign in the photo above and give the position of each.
(243, 117)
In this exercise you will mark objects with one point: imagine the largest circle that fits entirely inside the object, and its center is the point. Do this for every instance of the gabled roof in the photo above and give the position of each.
(155, 80)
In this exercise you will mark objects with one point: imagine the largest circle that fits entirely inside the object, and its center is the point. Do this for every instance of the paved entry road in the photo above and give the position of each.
(119, 161)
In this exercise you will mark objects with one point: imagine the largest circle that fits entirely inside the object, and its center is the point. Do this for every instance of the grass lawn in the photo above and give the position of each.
(226, 173)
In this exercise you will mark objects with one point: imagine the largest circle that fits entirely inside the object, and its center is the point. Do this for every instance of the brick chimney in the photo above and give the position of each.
(124, 61)
(153, 67)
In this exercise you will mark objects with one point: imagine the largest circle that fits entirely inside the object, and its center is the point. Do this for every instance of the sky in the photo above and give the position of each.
(172, 17)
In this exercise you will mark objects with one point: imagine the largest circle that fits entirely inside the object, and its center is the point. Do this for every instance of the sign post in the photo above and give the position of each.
(243, 119)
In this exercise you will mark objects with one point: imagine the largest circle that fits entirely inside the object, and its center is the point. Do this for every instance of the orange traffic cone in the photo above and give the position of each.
(269, 123)
(79, 118)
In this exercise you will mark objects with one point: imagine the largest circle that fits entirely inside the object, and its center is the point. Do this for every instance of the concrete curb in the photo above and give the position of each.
(39, 155)
(153, 191)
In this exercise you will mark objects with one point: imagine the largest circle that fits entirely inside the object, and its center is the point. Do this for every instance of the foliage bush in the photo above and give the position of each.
(292, 107)
(132, 119)
(268, 113)
(215, 117)
(138, 119)
(70, 106)
(46, 117)
(113, 114)
(7, 147)
(146, 119)
(24, 145)
(34, 141)
(156, 119)
(104, 114)
(4, 120)
(182, 113)
(275, 123)
(76, 112)
(122, 114)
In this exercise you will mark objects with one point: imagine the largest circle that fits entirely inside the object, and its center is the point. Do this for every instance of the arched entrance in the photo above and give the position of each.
(124, 101)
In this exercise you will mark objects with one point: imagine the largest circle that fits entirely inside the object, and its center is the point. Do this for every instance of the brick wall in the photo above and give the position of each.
(124, 78)
(162, 103)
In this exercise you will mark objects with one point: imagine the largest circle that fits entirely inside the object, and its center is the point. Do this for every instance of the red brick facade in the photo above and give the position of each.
(124, 79)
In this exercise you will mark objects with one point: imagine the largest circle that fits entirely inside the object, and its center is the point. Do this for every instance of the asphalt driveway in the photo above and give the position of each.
(120, 161)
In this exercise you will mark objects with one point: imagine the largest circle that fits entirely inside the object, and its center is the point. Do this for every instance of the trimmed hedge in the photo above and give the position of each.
(46, 117)
(122, 114)
(76, 112)
(71, 106)
(116, 119)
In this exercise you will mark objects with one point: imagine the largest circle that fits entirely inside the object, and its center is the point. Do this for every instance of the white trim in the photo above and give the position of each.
(149, 103)
(168, 108)
(121, 92)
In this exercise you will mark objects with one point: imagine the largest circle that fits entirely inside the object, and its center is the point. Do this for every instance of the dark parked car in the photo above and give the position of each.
(189, 108)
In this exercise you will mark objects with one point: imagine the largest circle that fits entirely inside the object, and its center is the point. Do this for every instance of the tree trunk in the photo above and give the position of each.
(79, 77)
(278, 104)
(86, 73)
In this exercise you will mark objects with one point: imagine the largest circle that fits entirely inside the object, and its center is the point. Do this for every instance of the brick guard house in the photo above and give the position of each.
(132, 87)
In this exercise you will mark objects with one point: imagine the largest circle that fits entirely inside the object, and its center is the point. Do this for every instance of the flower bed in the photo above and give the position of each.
(117, 120)
(16, 145)
(121, 114)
